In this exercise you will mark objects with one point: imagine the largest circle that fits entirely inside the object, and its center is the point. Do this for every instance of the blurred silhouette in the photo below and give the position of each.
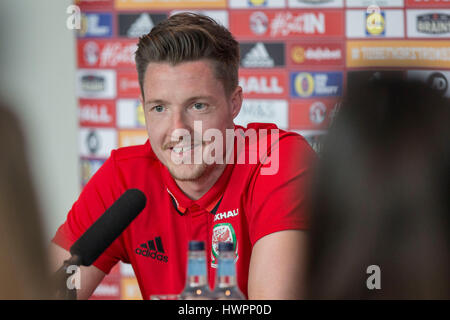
(23, 265)
(381, 196)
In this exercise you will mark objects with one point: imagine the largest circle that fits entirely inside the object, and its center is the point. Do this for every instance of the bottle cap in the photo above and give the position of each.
(195, 245)
(225, 246)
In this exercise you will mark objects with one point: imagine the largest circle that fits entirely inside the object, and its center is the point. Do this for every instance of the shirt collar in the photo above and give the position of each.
(210, 201)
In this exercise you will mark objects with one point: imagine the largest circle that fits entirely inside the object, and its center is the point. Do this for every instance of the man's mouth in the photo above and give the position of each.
(180, 149)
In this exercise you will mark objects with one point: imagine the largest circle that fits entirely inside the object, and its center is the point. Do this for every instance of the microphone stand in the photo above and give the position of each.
(61, 276)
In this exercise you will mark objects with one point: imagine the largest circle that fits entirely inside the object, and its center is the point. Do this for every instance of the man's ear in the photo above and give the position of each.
(236, 101)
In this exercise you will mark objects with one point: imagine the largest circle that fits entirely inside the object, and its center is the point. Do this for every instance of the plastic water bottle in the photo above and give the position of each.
(197, 287)
(226, 283)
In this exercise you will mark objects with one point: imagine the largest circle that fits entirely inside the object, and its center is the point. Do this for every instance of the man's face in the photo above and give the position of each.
(175, 97)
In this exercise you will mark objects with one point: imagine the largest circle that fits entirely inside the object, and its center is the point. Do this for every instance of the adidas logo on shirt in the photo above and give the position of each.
(153, 249)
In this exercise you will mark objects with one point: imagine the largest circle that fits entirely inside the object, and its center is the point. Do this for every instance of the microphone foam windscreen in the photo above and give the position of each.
(109, 226)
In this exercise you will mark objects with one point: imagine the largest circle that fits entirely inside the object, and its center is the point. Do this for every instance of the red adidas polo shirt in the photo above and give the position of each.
(242, 207)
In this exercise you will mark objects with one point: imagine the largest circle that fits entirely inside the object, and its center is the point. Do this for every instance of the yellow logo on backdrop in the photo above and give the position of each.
(84, 25)
(298, 54)
(130, 289)
(304, 84)
(257, 2)
(140, 115)
(132, 137)
(86, 170)
(170, 4)
(375, 23)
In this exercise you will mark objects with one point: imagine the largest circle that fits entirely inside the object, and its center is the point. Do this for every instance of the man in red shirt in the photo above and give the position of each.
(188, 72)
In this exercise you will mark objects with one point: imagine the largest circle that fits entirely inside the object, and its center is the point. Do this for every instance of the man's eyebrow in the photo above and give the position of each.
(187, 101)
(156, 101)
(199, 98)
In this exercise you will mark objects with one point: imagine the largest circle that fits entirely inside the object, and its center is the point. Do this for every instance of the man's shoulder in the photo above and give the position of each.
(276, 137)
(264, 149)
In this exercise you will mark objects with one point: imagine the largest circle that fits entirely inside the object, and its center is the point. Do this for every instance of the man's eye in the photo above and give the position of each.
(158, 108)
(199, 106)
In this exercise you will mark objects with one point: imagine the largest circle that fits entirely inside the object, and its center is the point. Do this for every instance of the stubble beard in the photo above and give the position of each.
(189, 172)
(192, 171)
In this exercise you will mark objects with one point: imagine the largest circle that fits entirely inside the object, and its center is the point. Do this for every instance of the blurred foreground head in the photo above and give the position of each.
(23, 264)
(381, 196)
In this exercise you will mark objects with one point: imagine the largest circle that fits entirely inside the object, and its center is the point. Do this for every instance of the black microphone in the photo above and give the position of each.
(108, 227)
(99, 237)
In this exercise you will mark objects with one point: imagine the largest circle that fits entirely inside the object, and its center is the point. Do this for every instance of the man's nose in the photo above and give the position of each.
(179, 124)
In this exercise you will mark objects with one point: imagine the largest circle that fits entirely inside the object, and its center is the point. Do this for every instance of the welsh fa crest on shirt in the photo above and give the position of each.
(222, 232)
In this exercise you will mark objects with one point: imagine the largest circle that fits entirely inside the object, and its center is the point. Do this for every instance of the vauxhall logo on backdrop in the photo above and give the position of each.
(264, 84)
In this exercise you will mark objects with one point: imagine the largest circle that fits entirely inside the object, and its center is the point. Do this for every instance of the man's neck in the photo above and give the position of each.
(196, 189)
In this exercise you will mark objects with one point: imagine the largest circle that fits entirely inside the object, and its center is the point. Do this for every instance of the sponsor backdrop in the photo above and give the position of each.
(298, 57)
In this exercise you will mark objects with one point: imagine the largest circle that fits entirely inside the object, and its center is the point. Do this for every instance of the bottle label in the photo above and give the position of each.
(226, 268)
(197, 267)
